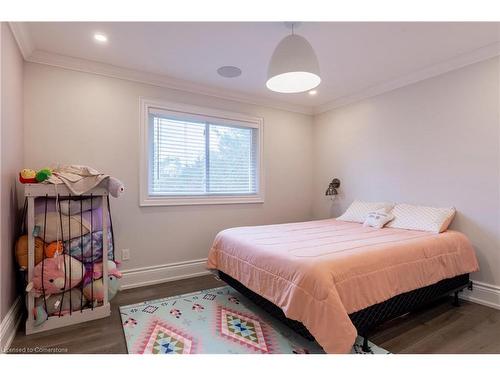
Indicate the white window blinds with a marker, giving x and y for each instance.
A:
(197, 155)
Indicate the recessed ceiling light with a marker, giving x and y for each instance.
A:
(229, 71)
(100, 37)
(313, 92)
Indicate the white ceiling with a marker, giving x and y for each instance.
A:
(353, 57)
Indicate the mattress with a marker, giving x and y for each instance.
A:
(320, 271)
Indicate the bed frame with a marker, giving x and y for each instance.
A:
(368, 319)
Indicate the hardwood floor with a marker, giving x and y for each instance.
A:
(440, 328)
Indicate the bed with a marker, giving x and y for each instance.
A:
(333, 279)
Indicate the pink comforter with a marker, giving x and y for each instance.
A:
(318, 272)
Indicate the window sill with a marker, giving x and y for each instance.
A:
(199, 200)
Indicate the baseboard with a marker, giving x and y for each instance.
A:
(484, 294)
(145, 276)
(9, 324)
(132, 278)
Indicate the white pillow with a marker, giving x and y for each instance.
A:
(358, 210)
(429, 219)
(377, 219)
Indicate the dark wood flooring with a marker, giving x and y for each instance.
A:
(441, 328)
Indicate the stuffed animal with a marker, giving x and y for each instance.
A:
(51, 250)
(22, 251)
(98, 293)
(54, 302)
(88, 248)
(56, 275)
(96, 272)
(27, 176)
(43, 174)
(54, 249)
(94, 290)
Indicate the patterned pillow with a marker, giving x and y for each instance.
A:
(429, 219)
(377, 219)
(358, 210)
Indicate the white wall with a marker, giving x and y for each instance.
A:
(74, 117)
(11, 151)
(432, 143)
(435, 142)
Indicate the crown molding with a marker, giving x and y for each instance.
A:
(22, 37)
(468, 58)
(25, 43)
(108, 70)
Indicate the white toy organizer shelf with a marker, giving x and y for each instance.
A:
(92, 311)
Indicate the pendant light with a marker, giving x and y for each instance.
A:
(293, 67)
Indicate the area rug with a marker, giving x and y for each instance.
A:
(213, 321)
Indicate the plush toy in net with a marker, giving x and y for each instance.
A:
(54, 302)
(56, 275)
(22, 251)
(94, 290)
(53, 249)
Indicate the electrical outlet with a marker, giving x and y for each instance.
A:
(125, 254)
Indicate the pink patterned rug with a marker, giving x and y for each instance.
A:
(218, 321)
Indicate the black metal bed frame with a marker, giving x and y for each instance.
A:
(368, 319)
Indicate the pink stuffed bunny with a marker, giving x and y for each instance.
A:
(54, 271)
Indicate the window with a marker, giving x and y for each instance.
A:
(197, 155)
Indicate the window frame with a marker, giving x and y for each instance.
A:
(229, 118)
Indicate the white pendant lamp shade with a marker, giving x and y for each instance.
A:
(293, 67)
